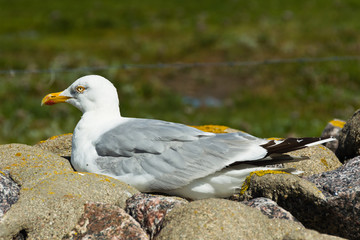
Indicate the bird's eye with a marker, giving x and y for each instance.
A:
(80, 89)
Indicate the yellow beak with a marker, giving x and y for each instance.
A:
(53, 98)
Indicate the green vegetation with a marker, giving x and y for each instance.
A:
(274, 100)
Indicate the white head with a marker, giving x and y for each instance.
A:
(88, 93)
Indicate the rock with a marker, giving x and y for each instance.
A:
(295, 194)
(349, 139)
(150, 210)
(224, 219)
(60, 145)
(333, 129)
(308, 235)
(341, 213)
(321, 159)
(106, 221)
(9, 193)
(52, 196)
(28, 165)
(270, 208)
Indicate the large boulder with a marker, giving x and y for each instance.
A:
(327, 202)
(52, 195)
(224, 219)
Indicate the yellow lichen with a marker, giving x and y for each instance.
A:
(18, 154)
(337, 123)
(275, 138)
(322, 147)
(212, 128)
(260, 173)
(323, 161)
(71, 196)
(54, 137)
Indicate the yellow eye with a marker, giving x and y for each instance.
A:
(80, 89)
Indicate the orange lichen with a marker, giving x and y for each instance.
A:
(18, 154)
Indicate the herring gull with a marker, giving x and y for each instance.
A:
(159, 156)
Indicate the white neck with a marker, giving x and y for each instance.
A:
(91, 125)
(98, 121)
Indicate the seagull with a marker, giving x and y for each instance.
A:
(164, 157)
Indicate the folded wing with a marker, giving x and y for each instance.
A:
(172, 154)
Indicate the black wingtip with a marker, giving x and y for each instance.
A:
(292, 144)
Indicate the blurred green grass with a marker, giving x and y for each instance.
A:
(292, 99)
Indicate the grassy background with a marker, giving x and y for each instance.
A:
(292, 99)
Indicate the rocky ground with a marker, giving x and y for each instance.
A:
(41, 197)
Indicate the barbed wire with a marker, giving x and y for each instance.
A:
(13, 72)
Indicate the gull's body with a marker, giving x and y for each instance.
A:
(159, 156)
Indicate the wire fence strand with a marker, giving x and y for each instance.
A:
(180, 65)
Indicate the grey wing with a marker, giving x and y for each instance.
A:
(174, 154)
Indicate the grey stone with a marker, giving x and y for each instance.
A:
(224, 219)
(341, 213)
(333, 129)
(52, 196)
(9, 192)
(270, 208)
(106, 221)
(349, 139)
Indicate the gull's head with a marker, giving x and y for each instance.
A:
(88, 93)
